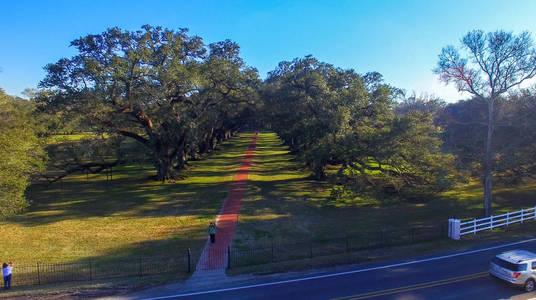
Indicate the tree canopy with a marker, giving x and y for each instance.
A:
(332, 116)
(21, 154)
(176, 98)
(513, 142)
(163, 88)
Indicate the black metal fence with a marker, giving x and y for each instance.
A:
(44, 273)
(275, 251)
(184, 262)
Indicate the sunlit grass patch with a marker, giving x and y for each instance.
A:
(62, 138)
(301, 208)
(90, 216)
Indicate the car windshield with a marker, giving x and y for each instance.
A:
(508, 265)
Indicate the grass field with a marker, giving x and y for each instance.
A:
(61, 138)
(285, 204)
(90, 217)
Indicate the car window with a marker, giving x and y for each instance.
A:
(508, 265)
(534, 265)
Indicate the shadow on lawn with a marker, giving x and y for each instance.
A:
(291, 207)
(201, 192)
(295, 208)
(306, 203)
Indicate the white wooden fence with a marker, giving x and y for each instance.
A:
(458, 228)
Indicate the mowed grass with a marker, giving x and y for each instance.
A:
(84, 217)
(91, 217)
(62, 138)
(285, 204)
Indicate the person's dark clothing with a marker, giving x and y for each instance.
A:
(7, 282)
(212, 233)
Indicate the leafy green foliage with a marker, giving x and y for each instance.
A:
(331, 116)
(465, 128)
(21, 154)
(163, 88)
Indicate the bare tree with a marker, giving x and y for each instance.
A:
(493, 63)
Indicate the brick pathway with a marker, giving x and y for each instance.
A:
(214, 256)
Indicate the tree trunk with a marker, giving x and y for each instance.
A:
(182, 160)
(220, 136)
(212, 143)
(203, 146)
(163, 163)
(488, 163)
(164, 169)
(319, 171)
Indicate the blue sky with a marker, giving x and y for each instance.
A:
(400, 39)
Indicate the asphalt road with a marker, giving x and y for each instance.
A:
(451, 276)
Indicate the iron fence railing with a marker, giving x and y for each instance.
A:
(45, 273)
(183, 261)
(270, 252)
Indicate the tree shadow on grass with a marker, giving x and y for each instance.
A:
(127, 195)
(149, 200)
(303, 203)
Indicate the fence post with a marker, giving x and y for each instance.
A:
(522, 215)
(507, 218)
(189, 261)
(272, 249)
(491, 222)
(474, 226)
(228, 257)
(38, 275)
(454, 229)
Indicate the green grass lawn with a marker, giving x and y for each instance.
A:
(285, 204)
(61, 138)
(90, 217)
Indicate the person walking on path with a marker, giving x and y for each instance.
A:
(212, 232)
(6, 270)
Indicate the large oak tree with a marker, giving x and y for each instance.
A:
(327, 115)
(156, 86)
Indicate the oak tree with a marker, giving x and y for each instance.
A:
(488, 65)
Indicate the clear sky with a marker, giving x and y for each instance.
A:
(399, 39)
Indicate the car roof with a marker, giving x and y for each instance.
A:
(517, 256)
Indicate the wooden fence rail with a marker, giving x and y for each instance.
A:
(458, 228)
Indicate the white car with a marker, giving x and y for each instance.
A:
(517, 267)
